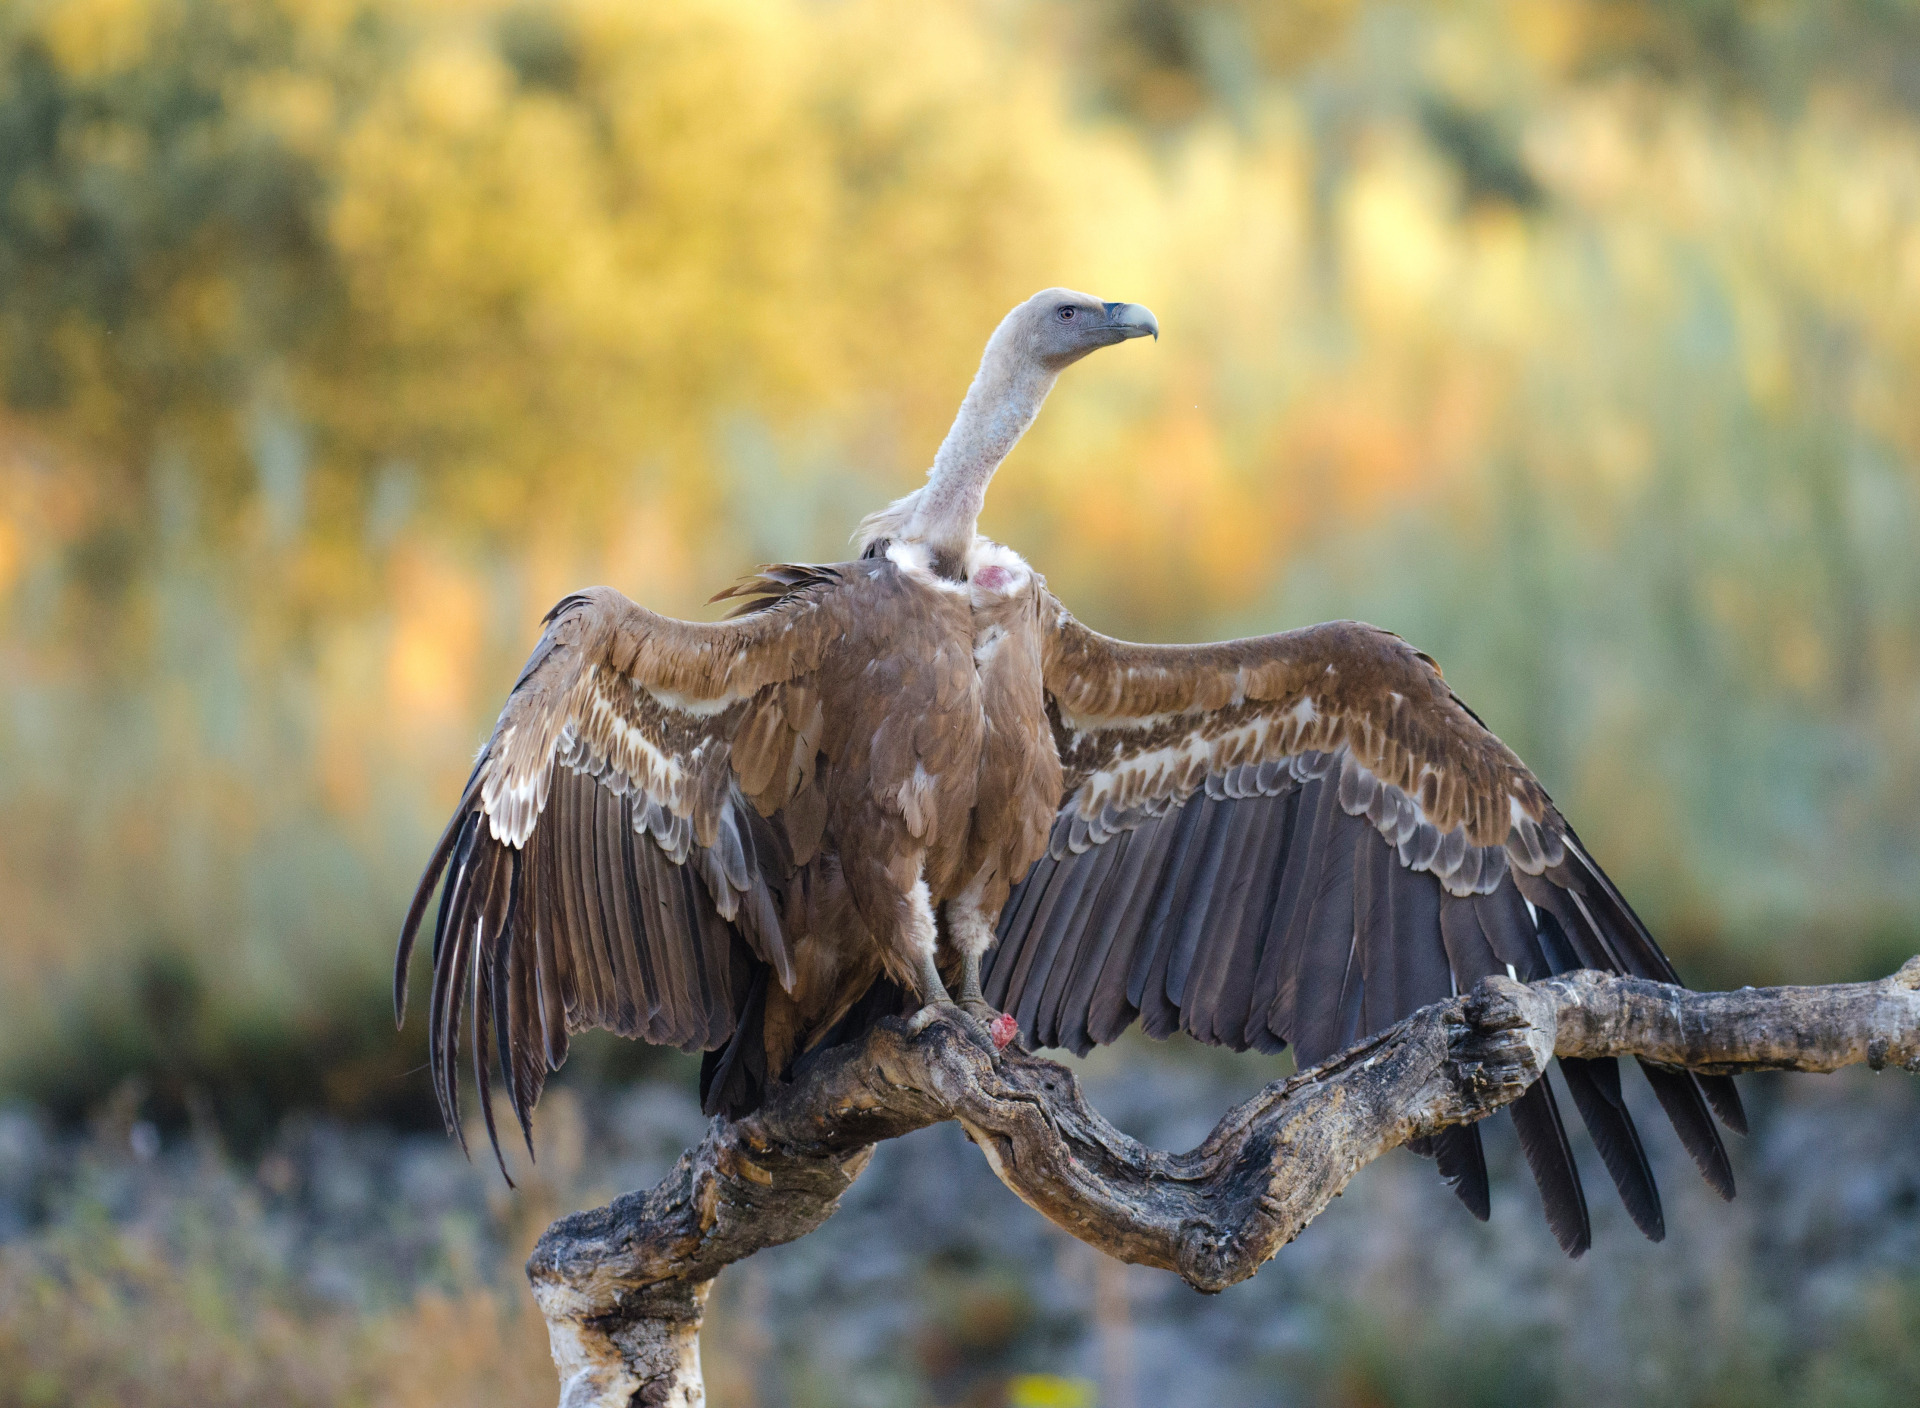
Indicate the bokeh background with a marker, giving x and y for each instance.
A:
(1577, 340)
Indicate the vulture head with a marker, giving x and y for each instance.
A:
(1033, 344)
(1057, 327)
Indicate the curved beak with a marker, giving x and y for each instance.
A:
(1131, 320)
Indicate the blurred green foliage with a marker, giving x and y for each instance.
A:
(1573, 339)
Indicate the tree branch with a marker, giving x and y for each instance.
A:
(623, 1287)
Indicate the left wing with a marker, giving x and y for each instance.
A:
(618, 856)
(1304, 838)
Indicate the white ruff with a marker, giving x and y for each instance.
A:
(916, 561)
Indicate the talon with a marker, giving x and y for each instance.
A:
(1003, 1029)
(920, 1020)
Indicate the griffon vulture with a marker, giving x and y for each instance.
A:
(915, 775)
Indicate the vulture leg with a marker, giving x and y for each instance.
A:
(919, 941)
(909, 941)
(971, 934)
(928, 985)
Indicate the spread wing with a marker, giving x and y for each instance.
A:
(1303, 838)
(618, 856)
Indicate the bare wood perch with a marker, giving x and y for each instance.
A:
(623, 1287)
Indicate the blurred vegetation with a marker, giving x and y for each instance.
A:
(198, 1317)
(1574, 339)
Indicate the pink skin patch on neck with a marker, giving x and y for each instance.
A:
(993, 579)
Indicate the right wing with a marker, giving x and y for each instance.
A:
(618, 855)
(1303, 838)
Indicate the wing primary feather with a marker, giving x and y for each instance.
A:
(1511, 934)
(707, 932)
(1558, 950)
(462, 857)
(1601, 901)
(1076, 931)
(1568, 923)
(674, 921)
(1549, 1155)
(1076, 998)
(458, 832)
(506, 974)
(1180, 825)
(1463, 1163)
(551, 988)
(1687, 1111)
(1108, 1009)
(1065, 881)
(1595, 1087)
(1217, 996)
(1016, 929)
(1299, 846)
(579, 904)
(1297, 978)
(1176, 882)
(1221, 998)
(608, 907)
(1397, 927)
(1724, 1096)
(1608, 912)
(1052, 922)
(448, 978)
(458, 957)
(661, 953)
(490, 935)
(1329, 993)
(1159, 1017)
(516, 984)
(475, 971)
(1571, 942)
(1535, 1115)
(450, 895)
(1213, 870)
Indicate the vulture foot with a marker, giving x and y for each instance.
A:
(984, 1031)
(1002, 1027)
(1504, 1043)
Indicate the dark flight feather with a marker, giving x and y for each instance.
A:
(1252, 917)
(1595, 1087)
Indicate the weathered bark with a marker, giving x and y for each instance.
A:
(623, 1286)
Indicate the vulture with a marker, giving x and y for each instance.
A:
(914, 778)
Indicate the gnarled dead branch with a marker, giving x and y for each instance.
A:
(623, 1286)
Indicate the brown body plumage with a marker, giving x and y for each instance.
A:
(890, 777)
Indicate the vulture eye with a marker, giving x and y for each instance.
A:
(1065, 313)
